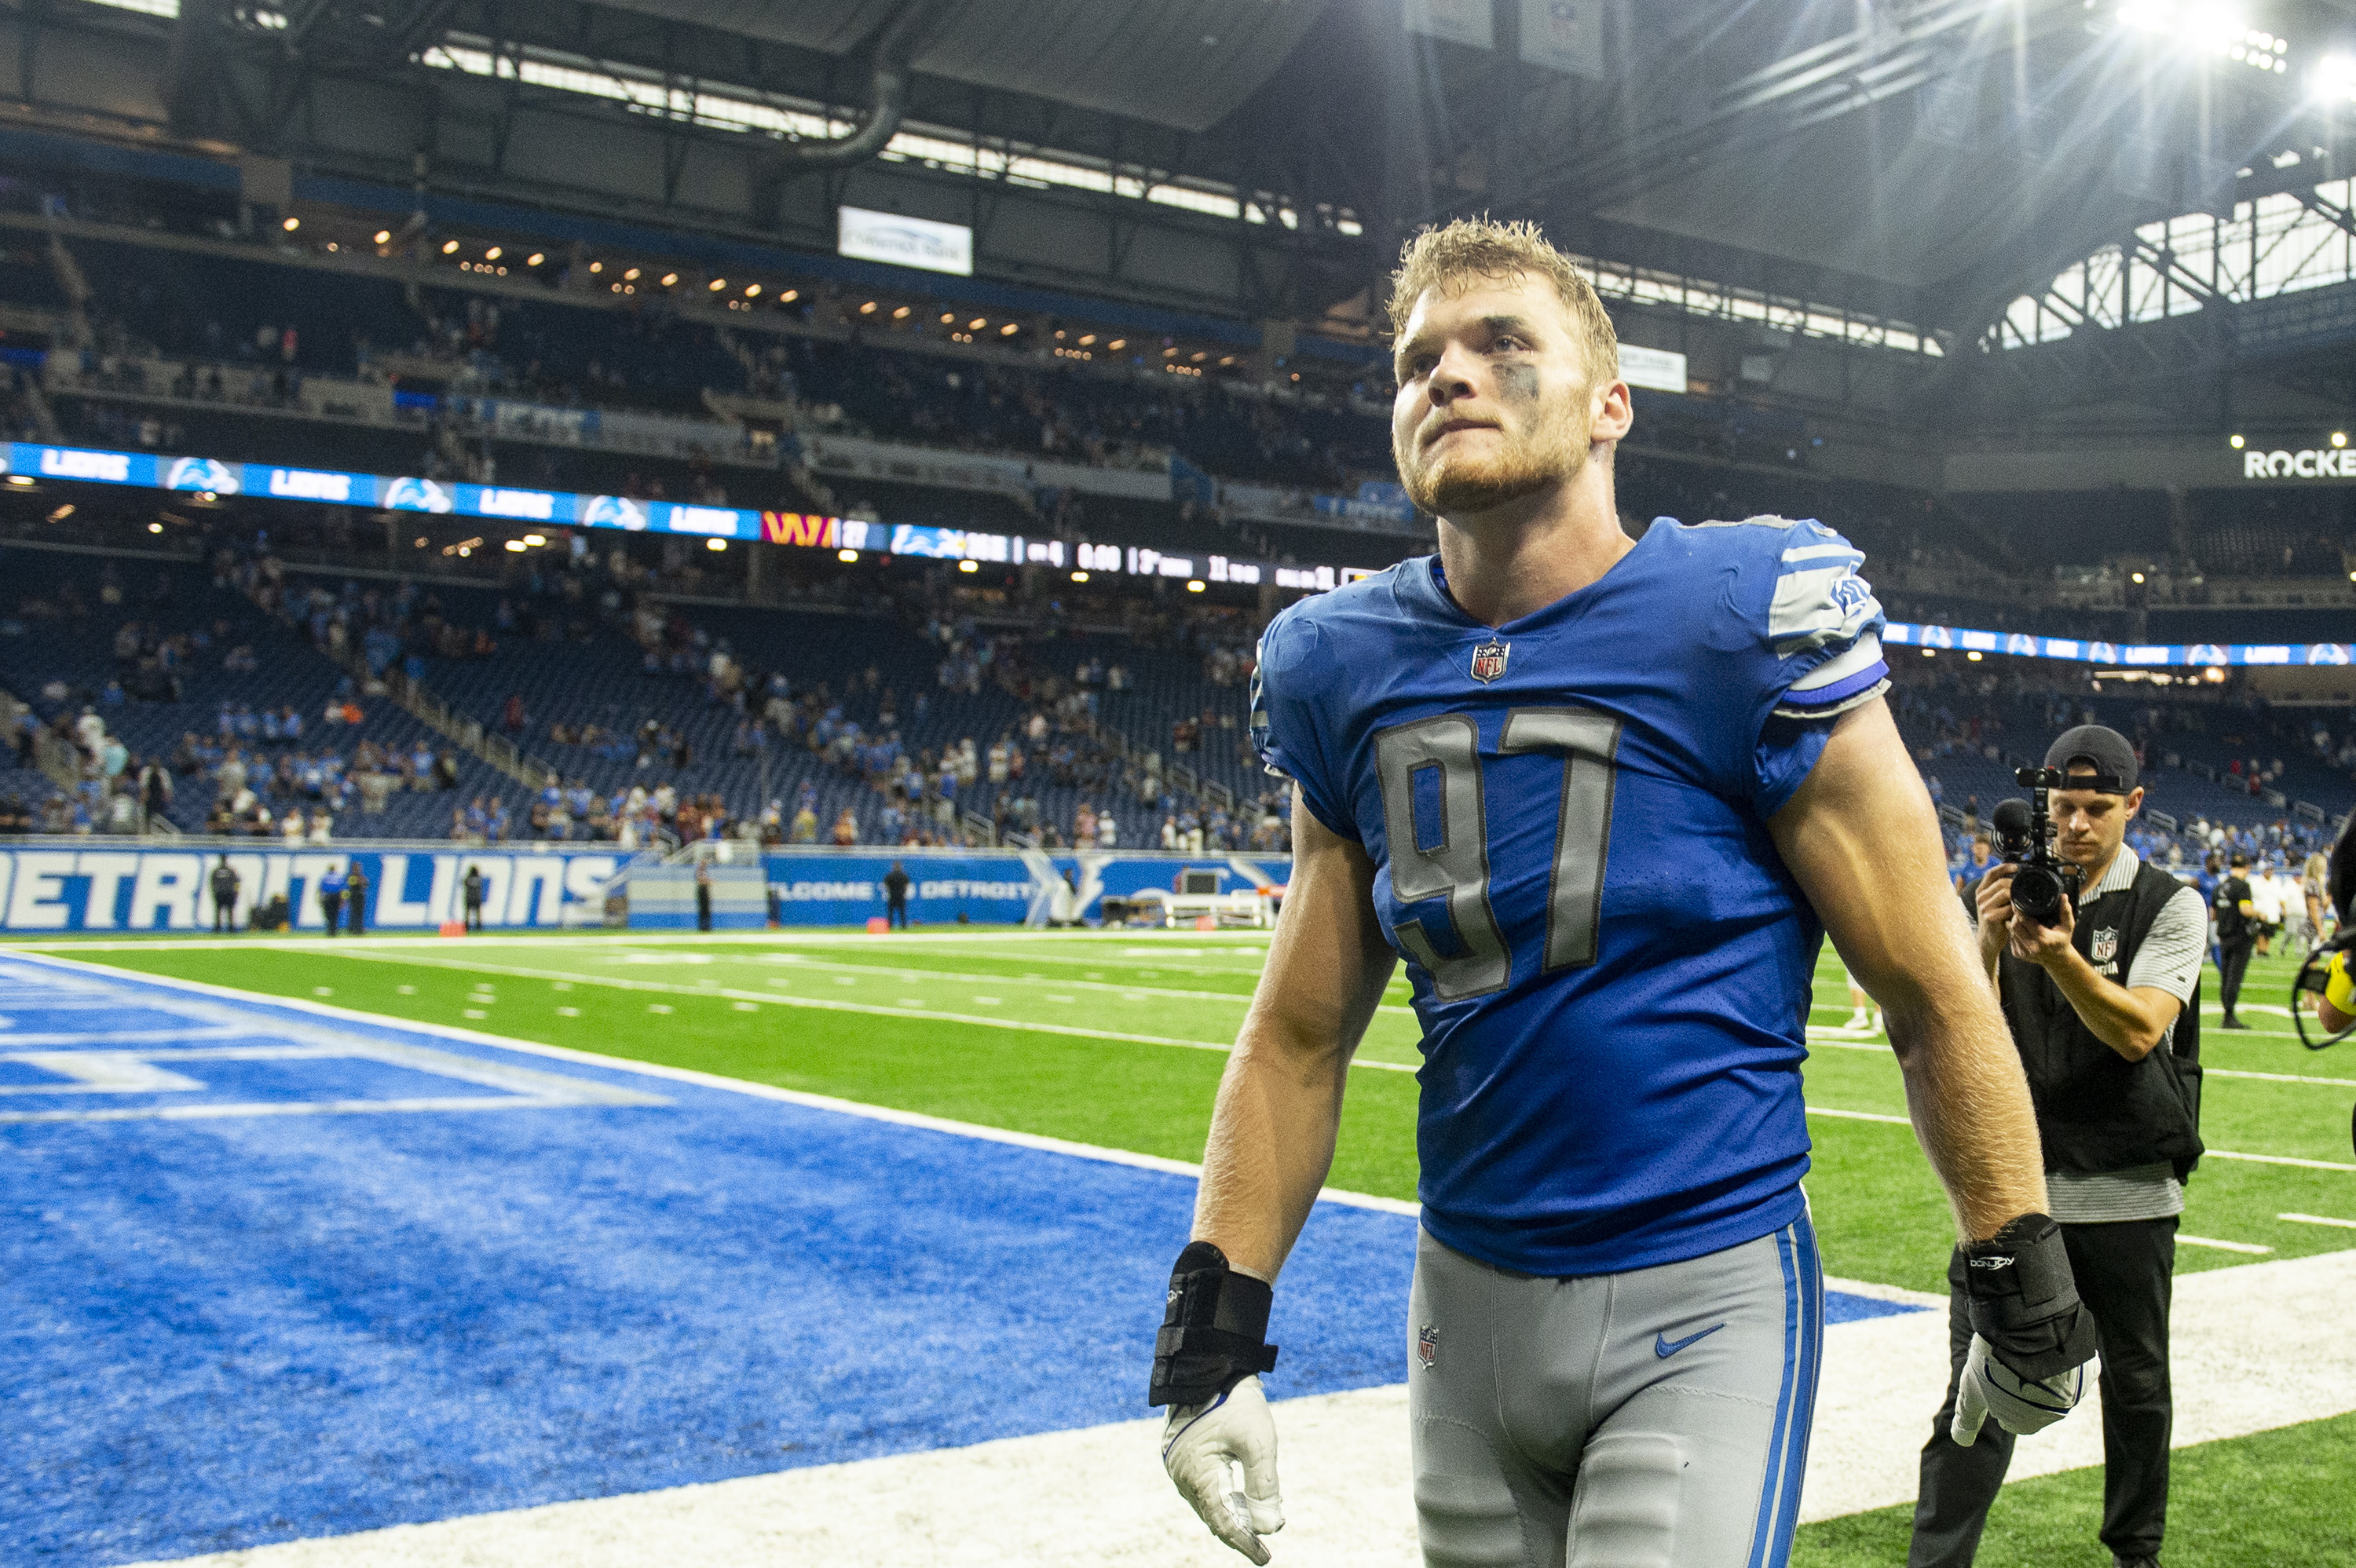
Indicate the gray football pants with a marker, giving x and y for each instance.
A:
(1652, 1419)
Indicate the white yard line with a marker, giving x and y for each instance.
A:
(1074, 1500)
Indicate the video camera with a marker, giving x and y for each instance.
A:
(2024, 836)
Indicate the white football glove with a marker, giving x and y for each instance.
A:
(1989, 1388)
(1200, 1446)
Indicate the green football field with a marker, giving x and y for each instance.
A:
(1117, 1039)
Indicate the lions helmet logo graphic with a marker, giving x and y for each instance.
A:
(201, 473)
(1489, 660)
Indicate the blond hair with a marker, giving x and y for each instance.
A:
(1453, 256)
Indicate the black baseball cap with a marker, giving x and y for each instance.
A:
(2104, 749)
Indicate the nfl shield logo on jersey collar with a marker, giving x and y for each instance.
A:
(1489, 660)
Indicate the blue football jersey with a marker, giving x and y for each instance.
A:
(1568, 818)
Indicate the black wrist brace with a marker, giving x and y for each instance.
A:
(1213, 1335)
(2022, 1298)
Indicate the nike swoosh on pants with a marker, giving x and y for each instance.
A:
(1665, 1347)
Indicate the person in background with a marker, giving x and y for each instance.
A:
(896, 897)
(331, 896)
(470, 892)
(702, 895)
(846, 830)
(1968, 875)
(355, 891)
(2315, 883)
(225, 881)
(2234, 910)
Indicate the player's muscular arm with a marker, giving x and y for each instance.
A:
(1863, 841)
(1280, 1099)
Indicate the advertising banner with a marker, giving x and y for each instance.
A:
(54, 886)
(997, 888)
(2136, 656)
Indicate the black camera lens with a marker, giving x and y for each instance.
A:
(2037, 893)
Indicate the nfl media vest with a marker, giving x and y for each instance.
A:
(2096, 1111)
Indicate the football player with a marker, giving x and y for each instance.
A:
(1514, 764)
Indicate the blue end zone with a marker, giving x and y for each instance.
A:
(244, 1323)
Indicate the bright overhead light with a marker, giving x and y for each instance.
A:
(631, 276)
(2339, 438)
(1195, 586)
(790, 295)
(20, 479)
(867, 309)
(2335, 77)
(517, 546)
(717, 285)
(449, 247)
(846, 556)
(1083, 577)
(1118, 344)
(384, 236)
(1087, 339)
(669, 279)
(715, 544)
(1009, 329)
(752, 291)
(947, 318)
(968, 566)
(597, 266)
(901, 313)
(535, 540)
(492, 254)
(291, 225)
(534, 260)
(2234, 442)
(155, 527)
(976, 325)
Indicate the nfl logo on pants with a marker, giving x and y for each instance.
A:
(1427, 1348)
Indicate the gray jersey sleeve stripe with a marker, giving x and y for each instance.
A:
(2169, 958)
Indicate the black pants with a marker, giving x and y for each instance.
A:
(896, 913)
(474, 917)
(225, 913)
(2123, 1272)
(332, 907)
(702, 907)
(358, 911)
(2232, 963)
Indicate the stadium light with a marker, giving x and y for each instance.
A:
(155, 527)
(947, 318)
(1009, 329)
(715, 544)
(631, 276)
(1083, 577)
(1195, 586)
(669, 279)
(2335, 77)
(1118, 344)
(291, 225)
(976, 325)
(2234, 442)
(449, 247)
(968, 566)
(2339, 438)
(1087, 339)
(717, 285)
(752, 291)
(846, 556)
(20, 479)
(534, 260)
(62, 512)
(900, 314)
(597, 266)
(384, 236)
(492, 254)
(2134, 577)
(867, 309)
(535, 540)
(790, 295)
(517, 546)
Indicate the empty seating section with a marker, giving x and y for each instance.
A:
(193, 305)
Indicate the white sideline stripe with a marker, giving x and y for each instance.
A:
(2251, 1248)
(1835, 1039)
(714, 1081)
(2319, 1220)
(2210, 1154)
(1094, 1497)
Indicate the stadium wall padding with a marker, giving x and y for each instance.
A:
(98, 885)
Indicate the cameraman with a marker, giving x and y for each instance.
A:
(2103, 1009)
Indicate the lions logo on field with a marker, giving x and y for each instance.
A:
(1489, 660)
(1427, 1348)
(2106, 946)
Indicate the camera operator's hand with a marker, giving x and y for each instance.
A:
(2043, 944)
(1994, 902)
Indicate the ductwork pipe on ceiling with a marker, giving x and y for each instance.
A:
(893, 47)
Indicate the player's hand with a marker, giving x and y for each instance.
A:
(1994, 902)
(2020, 1405)
(1200, 1446)
(2031, 1337)
(2042, 944)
